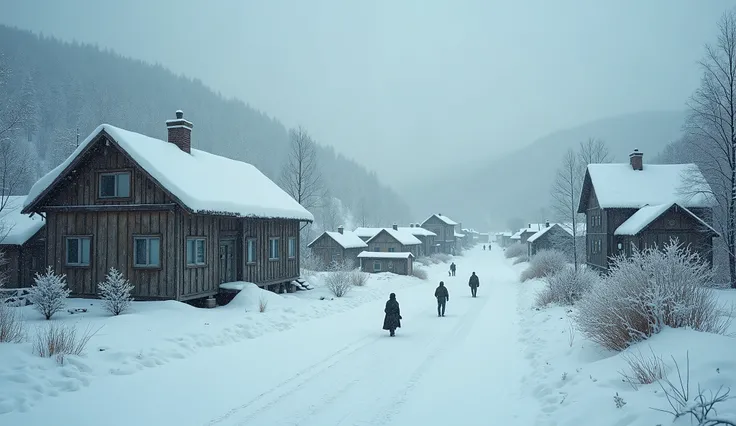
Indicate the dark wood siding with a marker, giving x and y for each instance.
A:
(383, 241)
(264, 271)
(445, 233)
(397, 266)
(326, 249)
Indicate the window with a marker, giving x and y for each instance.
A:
(115, 185)
(78, 251)
(146, 251)
(335, 257)
(391, 249)
(195, 252)
(273, 249)
(376, 248)
(250, 250)
(376, 266)
(292, 248)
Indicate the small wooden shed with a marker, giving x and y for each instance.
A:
(401, 263)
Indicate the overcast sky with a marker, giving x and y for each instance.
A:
(400, 85)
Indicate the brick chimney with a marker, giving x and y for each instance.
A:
(180, 132)
(546, 224)
(636, 159)
(396, 227)
(340, 229)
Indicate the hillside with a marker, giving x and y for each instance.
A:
(68, 86)
(517, 185)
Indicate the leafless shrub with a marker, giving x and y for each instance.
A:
(441, 258)
(11, 325)
(358, 278)
(262, 304)
(643, 369)
(338, 282)
(570, 332)
(515, 250)
(521, 259)
(424, 260)
(652, 289)
(60, 340)
(419, 273)
(701, 408)
(567, 286)
(544, 264)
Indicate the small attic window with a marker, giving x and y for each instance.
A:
(115, 185)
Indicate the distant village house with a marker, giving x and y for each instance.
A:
(338, 247)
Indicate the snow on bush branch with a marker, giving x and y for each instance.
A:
(543, 264)
(652, 289)
(567, 286)
(48, 294)
(115, 292)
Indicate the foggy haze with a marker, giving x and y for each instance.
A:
(431, 84)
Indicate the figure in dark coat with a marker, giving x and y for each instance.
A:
(392, 320)
(443, 296)
(484, 246)
(452, 268)
(474, 283)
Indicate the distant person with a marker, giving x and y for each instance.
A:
(474, 283)
(484, 246)
(443, 296)
(453, 268)
(489, 247)
(392, 320)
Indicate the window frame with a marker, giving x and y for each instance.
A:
(195, 239)
(270, 249)
(116, 173)
(255, 251)
(66, 251)
(147, 237)
(291, 248)
(377, 262)
(392, 249)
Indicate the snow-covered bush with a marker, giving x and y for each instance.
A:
(643, 369)
(310, 262)
(652, 289)
(48, 294)
(424, 260)
(515, 250)
(441, 258)
(358, 278)
(11, 325)
(60, 340)
(420, 273)
(567, 286)
(115, 292)
(544, 264)
(521, 259)
(338, 282)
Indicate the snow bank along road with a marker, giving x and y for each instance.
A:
(465, 369)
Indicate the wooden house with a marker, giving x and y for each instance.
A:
(401, 263)
(22, 242)
(552, 236)
(340, 246)
(391, 240)
(176, 221)
(636, 205)
(365, 233)
(426, 236)
(444, 228)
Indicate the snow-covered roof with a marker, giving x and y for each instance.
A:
(444, 219)
(385, 255)
(538, 234)
(203, 182)
(581, 227)
(346, 240)
(364, 232)
(648, 214)
(620, 186)
(404, 238)
(507, 234)
(418, 231)
(516, 236)
(15, 227)
(459, 235)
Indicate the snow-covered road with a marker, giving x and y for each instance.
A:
(465, 368)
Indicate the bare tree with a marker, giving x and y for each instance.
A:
(300, 176)
(711, 123)
(568, 185)
(329, 212)
(363, 212)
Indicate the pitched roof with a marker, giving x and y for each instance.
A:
(538, 234)
(202, 182)
(444, 219)
(404, 238)
(648, 214)
(620, 186)
(15, 227)
(417, 231)
(385, 255)
(346, 240)
(459, 235)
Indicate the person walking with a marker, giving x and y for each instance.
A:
(392, 320)
(452, 268)
(474, 283)
(484, 246)
(443, 296)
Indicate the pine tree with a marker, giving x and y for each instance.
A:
(115, 292)
(49, 293)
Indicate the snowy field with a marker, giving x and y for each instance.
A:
(306, 361)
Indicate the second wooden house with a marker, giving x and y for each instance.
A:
(444, 229)
(391, 240)
(336, 247)
(176, 221)
(22, 242)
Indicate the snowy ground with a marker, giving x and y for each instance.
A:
(305, 361)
